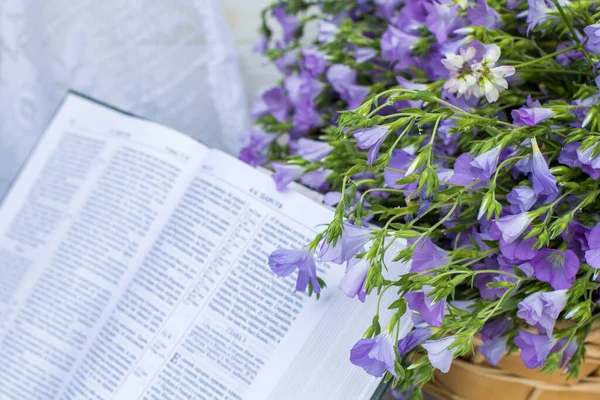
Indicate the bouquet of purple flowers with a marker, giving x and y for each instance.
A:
(459, 140)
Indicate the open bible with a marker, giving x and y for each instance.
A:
(133, 265)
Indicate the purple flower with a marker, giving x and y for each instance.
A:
(521, 198)
(495, 328)
(353, 282)
(284, 262)
(332, 198)
(539, 13)
(570, 155)
(512, 226)
(340, 75)
(585, 157)
(413, 339)
(343, 80)
(347, 246)
(427, 256)
(464, 305)
(482, 280)
(494, 349)
(567, 58)
(518, 251)
(259, 139)
(527, 269)
(285, 174)
(371, 138)
(484, 165)
(567, 352)
(432, 313)
(313, 150)
(512, 4)
(314, 60)
(289, 24)
(531, 116)
(439, 353)
(483, 15)
(287, 61)
(302, 87)
(534, 348)
(556, 267)
(251, 157)
(386, 8)
(400, 161)
(593, 34)
(413, 14)
(354, 95)
(396, 46)
(375, 355)
(306, 117)
(327, 32)
(316, 179)
(441, 20)
(467, 170)
(542, 180)
(364, 54)
(541, 309)
(277, 103)
(463, 175)
(576, 237)
(592, 256)
(494, 339)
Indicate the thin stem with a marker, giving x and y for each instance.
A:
(572, 30)
(547, 56)
(555, 71)
(435, 128)
(502, 299)
(463, 112)
(495, 271)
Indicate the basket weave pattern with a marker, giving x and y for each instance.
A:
(472, 378)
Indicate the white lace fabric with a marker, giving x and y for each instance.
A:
(171, 61)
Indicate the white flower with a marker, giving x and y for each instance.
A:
(461, 77)
(455, 62)
(490, 79)
(492, 56)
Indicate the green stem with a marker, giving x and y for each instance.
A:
(555, 71)
(435, 128)
(495, 271)
(404, 132)
(502, 299)
(551, 55)
(573, 33)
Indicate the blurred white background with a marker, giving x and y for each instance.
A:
(187, 64)
(243, 17)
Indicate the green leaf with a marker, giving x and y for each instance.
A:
(356, 169)
(426, 95)
(399, 304)
(406, 234)
(510, 304)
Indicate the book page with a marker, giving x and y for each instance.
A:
(85, 208)
(205, 318)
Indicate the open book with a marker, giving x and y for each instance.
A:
(133, 265)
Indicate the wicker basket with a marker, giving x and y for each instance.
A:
(472, 378)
